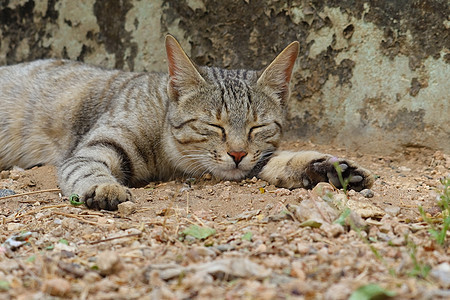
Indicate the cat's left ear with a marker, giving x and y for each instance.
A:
(278, 74)
(183, 75)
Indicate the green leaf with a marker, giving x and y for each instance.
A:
(310, 223)
(199, 232)
(371, 292)
(75, 200)
(247, 236)
(51, 247)
(343, 217)
(4, 285)
(63, 241)
(31, 259)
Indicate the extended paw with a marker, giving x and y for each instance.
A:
(106, 196)
(339, 172)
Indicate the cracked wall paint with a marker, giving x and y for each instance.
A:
(371, 75)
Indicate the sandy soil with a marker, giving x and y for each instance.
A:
(259, 249)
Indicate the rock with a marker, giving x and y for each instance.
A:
(14, 175)
(198, 253)
(367, 193)
(56, 287)
(398, 241)
(231, 268)
(323, 188)
(126, 208)
(246, 215)
(225, 247)
(401, 229)
(297, 270)
(4, 175)
(91, 277)
(392, 210)
(332, 230)
(404, 169)
(386, 227)
(6, 192)
(9, 265)
(64, 247)
(14, 226)
(338, 291)
(261, 248)
(109, 262)
(442, 274)
(282, 192)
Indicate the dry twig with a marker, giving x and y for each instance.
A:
(30, 193)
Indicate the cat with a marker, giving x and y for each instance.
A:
(109, 129)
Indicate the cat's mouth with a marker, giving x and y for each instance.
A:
(230, 174)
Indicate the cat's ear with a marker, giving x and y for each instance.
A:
(183, 75)
(278, 74)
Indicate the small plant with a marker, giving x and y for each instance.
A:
(344, 182)
(420, 269)
(439, 232)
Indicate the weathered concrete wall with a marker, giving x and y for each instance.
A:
(372, 75)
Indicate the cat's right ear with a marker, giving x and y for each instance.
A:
(183, 75)
(278, 74)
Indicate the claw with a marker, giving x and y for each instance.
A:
(305, 182)
(343, 167)
(334, 180)
(355, 179)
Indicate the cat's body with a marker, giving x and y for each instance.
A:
(106, 129)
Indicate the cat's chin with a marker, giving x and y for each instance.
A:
(235, 174)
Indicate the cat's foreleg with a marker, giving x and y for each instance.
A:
(307, 168)
(98, 173)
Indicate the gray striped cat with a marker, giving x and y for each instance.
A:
(108, 129)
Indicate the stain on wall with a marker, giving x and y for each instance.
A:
(371, 75)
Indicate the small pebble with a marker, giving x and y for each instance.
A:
(225, 247)
(126, 208)
(190, 239)
(386, 227)
(261, 248)
(91, 277)
(297, 270)
(4, 174)
(398, 241)
(442, 274)
(14, 176)
(109, 262)
(14, 226)
(6, 192)
(392, 210)
(404, 169)
(367, 193)
(56, 287)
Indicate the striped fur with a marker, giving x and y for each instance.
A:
(107, 129)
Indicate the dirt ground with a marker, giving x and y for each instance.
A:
(255, 244)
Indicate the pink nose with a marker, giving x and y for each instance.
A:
(237, 156)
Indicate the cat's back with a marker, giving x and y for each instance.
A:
(45, 103)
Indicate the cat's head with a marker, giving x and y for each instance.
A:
(225, 121)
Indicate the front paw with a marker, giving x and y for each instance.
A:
(106, 196)
(339, 172)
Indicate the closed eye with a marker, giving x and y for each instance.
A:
(264, 131)
(224, 134)
(254, 128)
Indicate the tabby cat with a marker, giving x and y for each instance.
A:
(108, 129)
